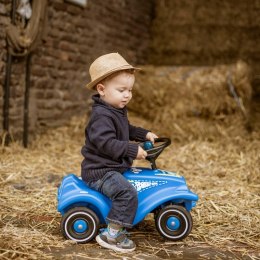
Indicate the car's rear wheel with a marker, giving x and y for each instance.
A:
(80, 224)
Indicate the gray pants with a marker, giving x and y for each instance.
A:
(123, 196)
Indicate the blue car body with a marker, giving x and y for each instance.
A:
(156, 188)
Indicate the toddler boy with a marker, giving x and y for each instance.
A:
(108, 151)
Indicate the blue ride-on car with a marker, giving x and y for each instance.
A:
(160, 192)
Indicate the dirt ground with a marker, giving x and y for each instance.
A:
(151, 246)
(225, 174)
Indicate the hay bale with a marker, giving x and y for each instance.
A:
(193, 101)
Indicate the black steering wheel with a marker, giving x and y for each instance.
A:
(153, 151)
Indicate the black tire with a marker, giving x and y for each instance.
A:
(174, 222)
(80, 224)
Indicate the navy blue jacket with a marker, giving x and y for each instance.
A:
(107, 146)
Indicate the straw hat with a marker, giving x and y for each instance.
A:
(106, 65)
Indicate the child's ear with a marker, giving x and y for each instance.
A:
(100, 89)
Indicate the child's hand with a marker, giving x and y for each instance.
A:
(141, 154)
(151, 136)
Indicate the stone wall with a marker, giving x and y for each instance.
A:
(202, 32)
(59, 66)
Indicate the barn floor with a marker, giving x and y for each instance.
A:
(224, 173)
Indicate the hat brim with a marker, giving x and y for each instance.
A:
(93, 83)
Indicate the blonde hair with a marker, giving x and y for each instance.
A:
(128, 71)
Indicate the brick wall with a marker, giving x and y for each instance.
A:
(75, 37)
(161, 32)
(3, 22)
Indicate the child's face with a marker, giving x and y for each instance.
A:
(117, 91)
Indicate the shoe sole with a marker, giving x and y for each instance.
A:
(113, 247)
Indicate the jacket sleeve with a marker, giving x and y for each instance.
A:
(102, 134)
(137, 133)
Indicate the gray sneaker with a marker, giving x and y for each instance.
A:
(119, 242)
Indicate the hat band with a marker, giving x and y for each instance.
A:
(102, 74)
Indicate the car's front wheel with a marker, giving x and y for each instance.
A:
(173, 222)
